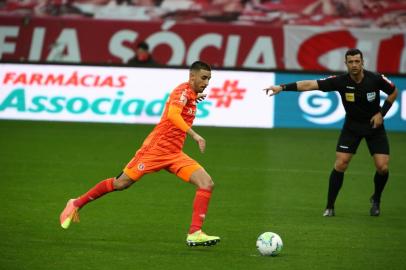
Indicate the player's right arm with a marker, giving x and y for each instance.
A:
(306, 85)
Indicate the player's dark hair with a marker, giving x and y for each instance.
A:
(353, 52)
(198, 65)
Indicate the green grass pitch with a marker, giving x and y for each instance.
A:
(266, 180)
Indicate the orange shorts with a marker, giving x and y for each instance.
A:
(179, 164)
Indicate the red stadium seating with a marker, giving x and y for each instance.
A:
(362, 13)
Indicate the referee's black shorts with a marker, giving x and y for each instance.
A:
(352, 133)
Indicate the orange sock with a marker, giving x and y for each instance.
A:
(200, 205)
(95, 192)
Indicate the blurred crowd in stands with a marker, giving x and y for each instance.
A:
(348, 13)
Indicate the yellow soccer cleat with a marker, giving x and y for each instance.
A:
(199, 238)
(69, 214)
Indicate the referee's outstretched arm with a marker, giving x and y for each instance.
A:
(306, 85)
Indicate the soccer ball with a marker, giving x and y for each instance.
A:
(269, 244)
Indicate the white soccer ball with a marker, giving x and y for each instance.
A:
(269, 244)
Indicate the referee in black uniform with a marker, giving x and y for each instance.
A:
(360, 94)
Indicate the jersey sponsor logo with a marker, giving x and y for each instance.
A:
(350, 87)
(371, 96)
(141, 166)
(183, 98)
(191, 111)
(350, 97)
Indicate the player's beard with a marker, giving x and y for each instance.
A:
(200, 88)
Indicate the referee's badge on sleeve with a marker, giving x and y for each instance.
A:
(350, 97)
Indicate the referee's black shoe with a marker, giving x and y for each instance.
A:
(375, 208)
(329, 212)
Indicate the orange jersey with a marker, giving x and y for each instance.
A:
(166, 138)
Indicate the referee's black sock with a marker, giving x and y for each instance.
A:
(380, 182)
(336, 181)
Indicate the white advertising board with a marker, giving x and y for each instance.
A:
(128, 95)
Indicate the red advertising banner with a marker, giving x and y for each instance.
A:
(323, 48)
(81, 40)
(106, 41)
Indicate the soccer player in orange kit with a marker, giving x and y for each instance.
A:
(162, 149)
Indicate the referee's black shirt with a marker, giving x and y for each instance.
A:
(360, 100)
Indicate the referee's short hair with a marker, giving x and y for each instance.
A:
(353, 52)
